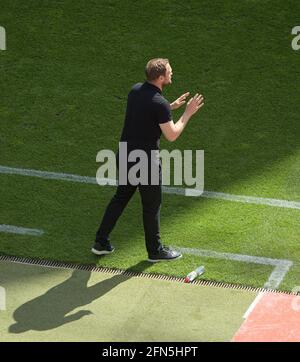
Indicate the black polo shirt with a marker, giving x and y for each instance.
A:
(146, 110)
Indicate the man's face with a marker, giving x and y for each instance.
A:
(168, 76)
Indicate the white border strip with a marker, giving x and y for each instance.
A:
(19, 230)
(253, 305)
(168, 190)
(252, 200)
(281, 266)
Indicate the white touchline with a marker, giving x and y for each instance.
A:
(168, 190)
(281, 266)
(251, 200)
(19, 230)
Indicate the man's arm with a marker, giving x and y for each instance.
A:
(172, 131)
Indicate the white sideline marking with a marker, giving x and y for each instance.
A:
(47, 175)
(253, 305)
(281, 266)
(168, 190)
(19, 230)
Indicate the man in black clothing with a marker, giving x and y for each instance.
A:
(148, 115)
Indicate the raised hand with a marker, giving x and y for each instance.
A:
(194, 104)
(179, 101)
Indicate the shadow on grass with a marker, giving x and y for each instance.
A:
(50, 310)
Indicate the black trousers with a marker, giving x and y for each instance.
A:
(151, 197)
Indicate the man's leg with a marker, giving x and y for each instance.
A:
(151, 200)
(114, 211)
(151, 196)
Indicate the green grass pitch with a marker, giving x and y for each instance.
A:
(64, 80)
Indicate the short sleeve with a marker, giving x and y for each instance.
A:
(163, 112)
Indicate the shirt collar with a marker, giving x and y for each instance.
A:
(153, 86)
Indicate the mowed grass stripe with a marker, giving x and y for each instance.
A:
(169, 190)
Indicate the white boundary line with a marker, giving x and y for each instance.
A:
(253, 305)
(281, 266)
(168, 190)
(19, 230)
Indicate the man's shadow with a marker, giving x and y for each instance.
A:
(49, 310)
